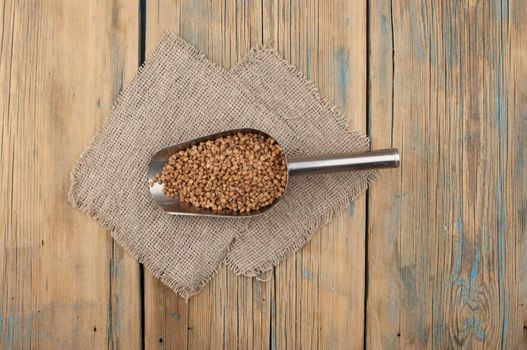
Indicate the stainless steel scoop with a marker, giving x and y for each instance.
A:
(326, 163)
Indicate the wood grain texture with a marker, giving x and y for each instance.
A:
(447, 230)
(433, 257)
(63, 281)
(320, 290)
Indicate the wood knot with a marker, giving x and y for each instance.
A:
(472, 312)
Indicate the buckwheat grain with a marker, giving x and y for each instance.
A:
(242, 172)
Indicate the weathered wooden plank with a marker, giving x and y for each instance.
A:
(320, 290)
(384, 204)
(342, 267)
(447, 229)
(512, 172)
(166, 314)
(230, 312)
(63, 282)
(125, 328)
(285, 318)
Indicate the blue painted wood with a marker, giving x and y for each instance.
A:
(451, 276)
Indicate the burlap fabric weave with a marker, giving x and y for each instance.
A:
(179, 95)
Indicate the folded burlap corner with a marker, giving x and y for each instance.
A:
(179, 95)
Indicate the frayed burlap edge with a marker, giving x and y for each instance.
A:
(122, 239)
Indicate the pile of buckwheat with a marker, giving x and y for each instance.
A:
(242, 172)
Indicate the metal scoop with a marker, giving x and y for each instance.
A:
(327, 163)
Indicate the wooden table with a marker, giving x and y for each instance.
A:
(434, 255)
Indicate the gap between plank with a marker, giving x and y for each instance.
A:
(142, 54)
(367, 212)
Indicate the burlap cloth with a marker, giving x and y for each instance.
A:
(179, 95)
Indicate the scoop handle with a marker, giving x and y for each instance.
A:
(330, 163)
